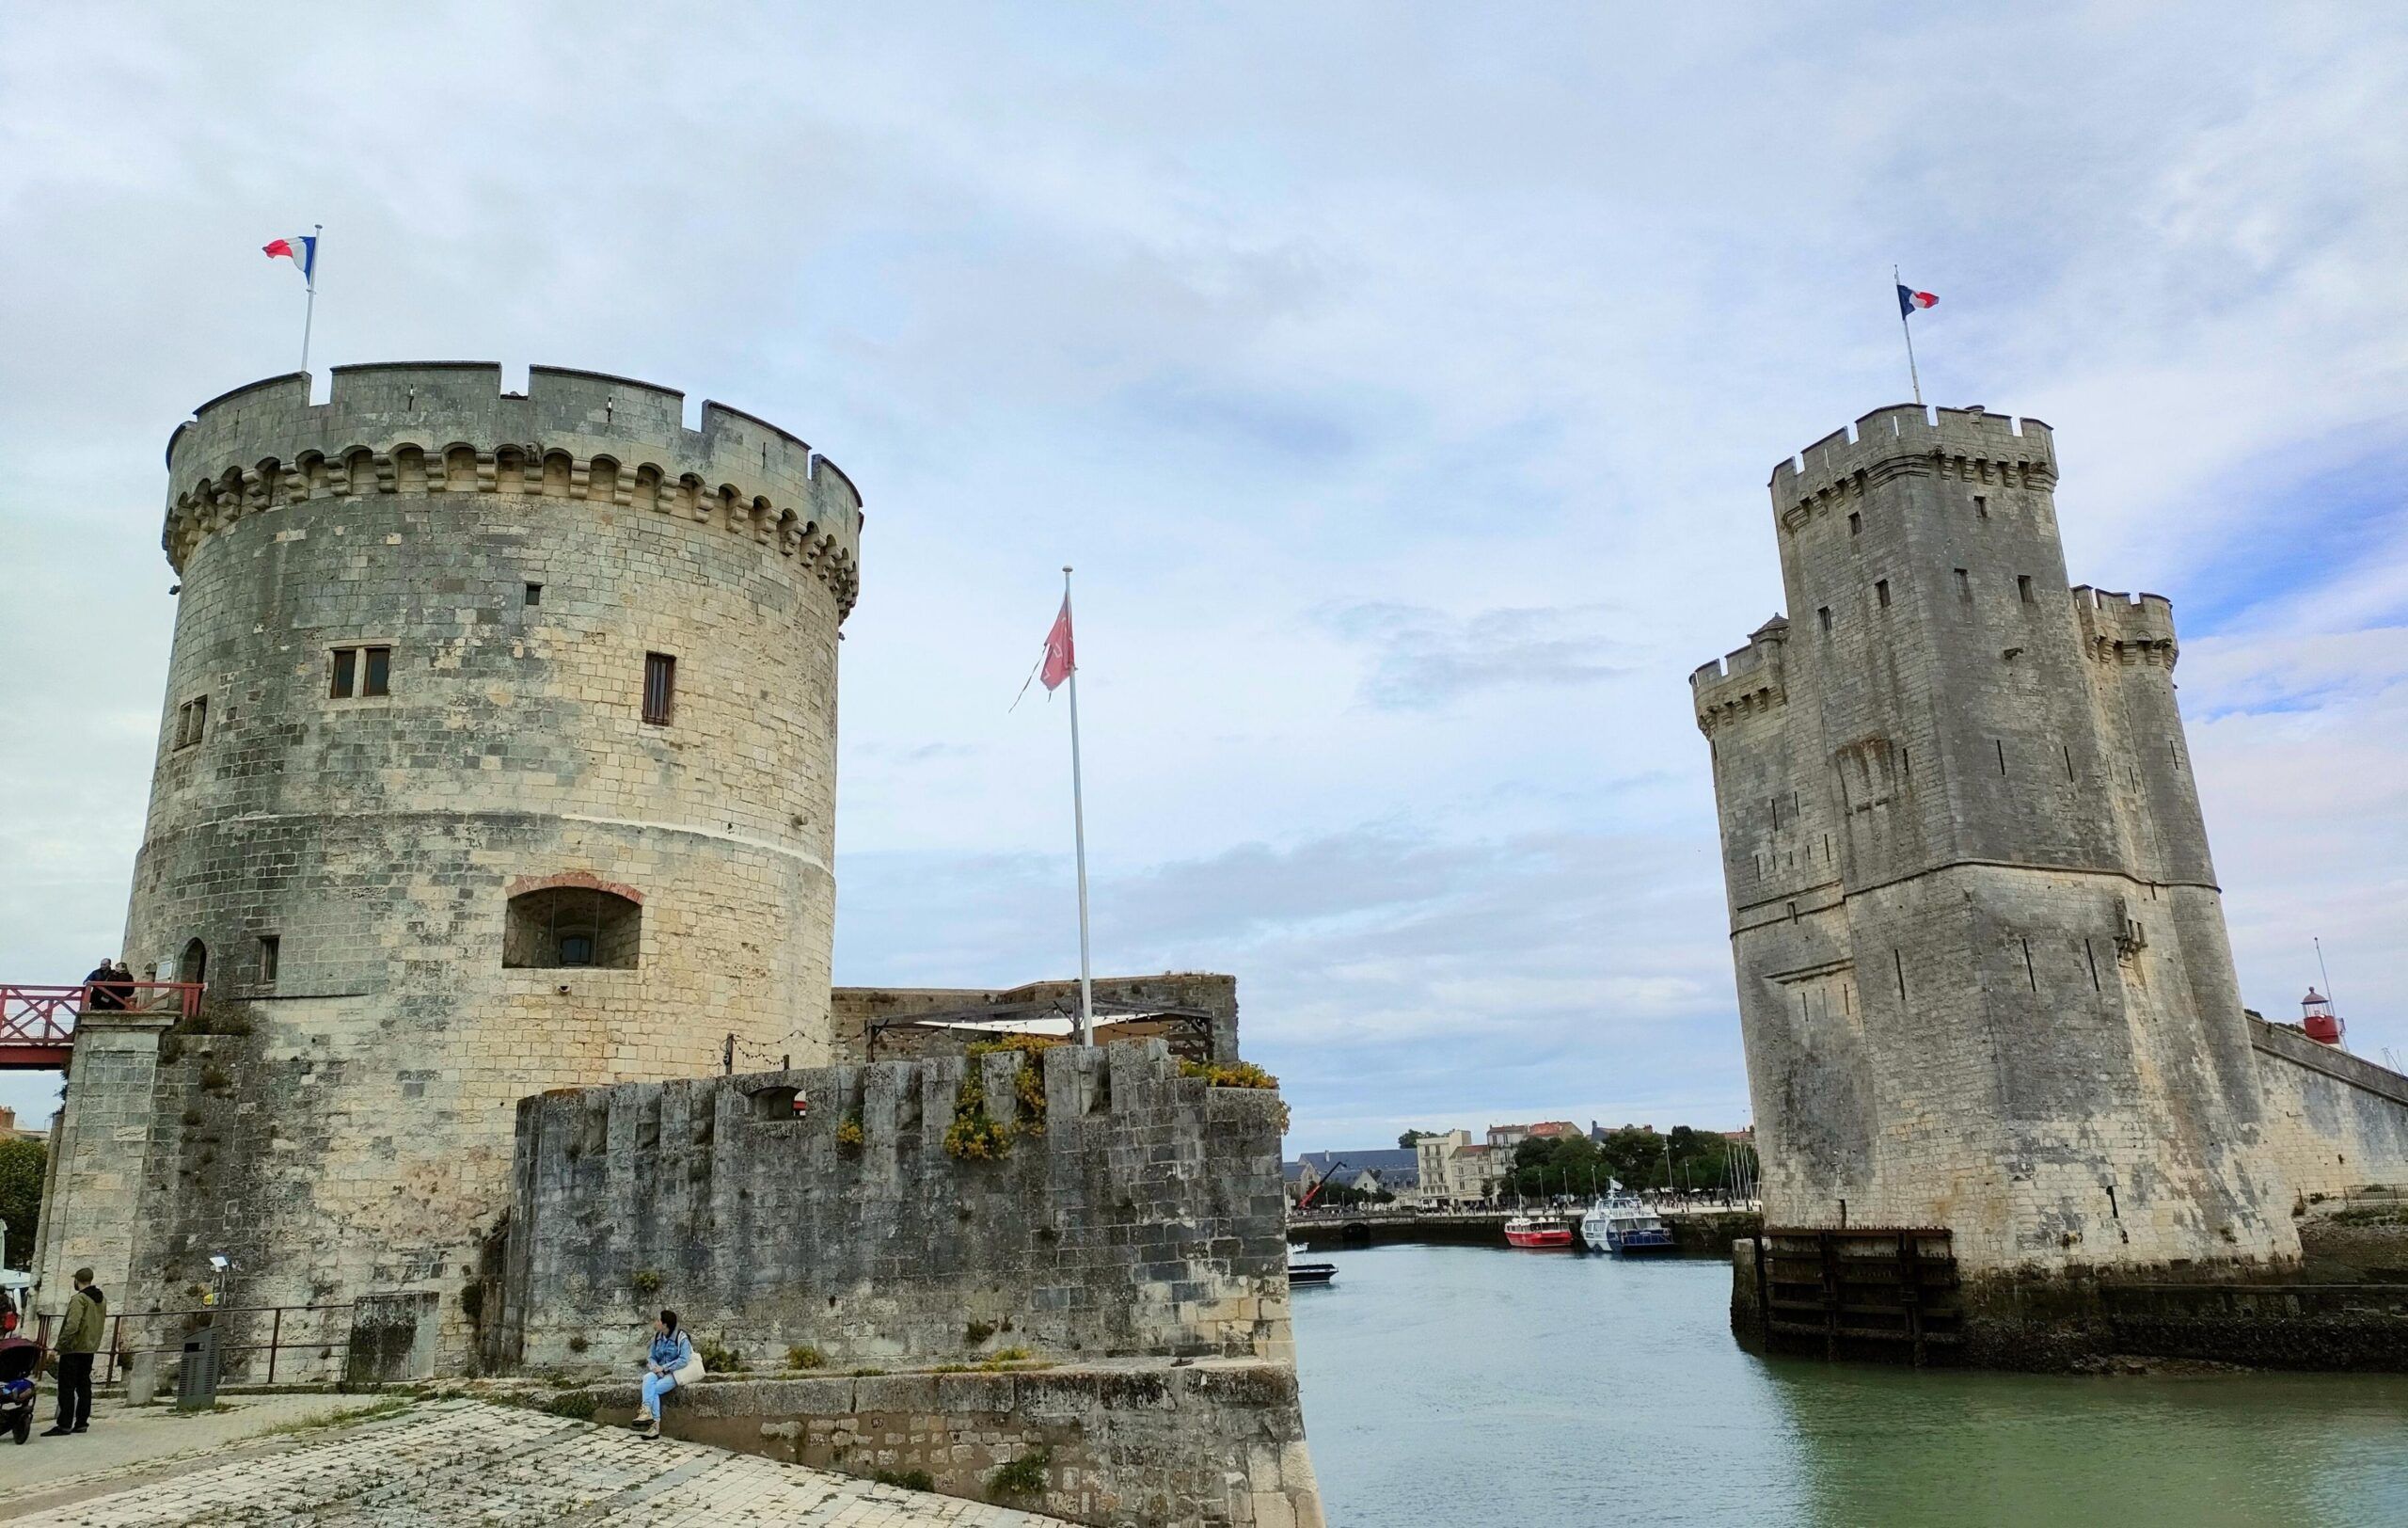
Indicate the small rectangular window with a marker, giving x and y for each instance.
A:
(1855, 523)
(1825, 613)
(192, 719)
(1981, 506)
(534, 593)
(268, 949)
(346, 664)
(1882, 591)
(2023, 587)
(376, 668)
(1964, 585)
(659, 687)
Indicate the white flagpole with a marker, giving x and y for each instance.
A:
(1907, 329)
(309, 312)
(1079, 826)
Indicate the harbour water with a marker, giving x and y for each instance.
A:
(1464, 1386)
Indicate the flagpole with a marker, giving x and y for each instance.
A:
(310, 310)
(1907, 329)
(1079, 827)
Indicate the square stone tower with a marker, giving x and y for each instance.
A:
(1984, 980)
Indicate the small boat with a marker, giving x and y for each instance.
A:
(1540, 1231)
(1308, 1273)
(1618, 1223)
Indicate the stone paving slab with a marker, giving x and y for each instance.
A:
(125, 1438)
(471, 1462)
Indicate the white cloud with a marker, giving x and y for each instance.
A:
(1490, 321)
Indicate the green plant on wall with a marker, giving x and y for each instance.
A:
(1028, 1083)
(1022, 1477)
(973, 1136)
(848, 1133)
(1234, 1075)
(646, 1281)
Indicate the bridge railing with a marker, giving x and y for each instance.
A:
(42, 1018)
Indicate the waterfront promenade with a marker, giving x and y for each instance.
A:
(436, 1462)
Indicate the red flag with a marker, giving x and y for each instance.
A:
(1060, 655)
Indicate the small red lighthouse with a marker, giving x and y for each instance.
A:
(2317, 1017)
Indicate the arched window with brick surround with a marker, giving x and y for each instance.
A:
(571, 921)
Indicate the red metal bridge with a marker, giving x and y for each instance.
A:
(38, 1023)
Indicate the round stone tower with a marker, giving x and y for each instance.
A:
(497, 755)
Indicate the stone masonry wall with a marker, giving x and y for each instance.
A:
(1213, 1444)
(1147, 1219)
(340, 1122)
(875, 1023)
(2335, 1122)
(1983, 974)
(93, 1181)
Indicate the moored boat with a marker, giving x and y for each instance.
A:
(1308, 1273)
(1538, 1230)
(1619, 1224)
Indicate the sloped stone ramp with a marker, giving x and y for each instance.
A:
(472, 1462)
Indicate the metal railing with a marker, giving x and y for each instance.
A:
(116, 1350)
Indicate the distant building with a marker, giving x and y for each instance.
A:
(1386, 1170)
(1504, 1138)
(1456, 1172)
(10, 1130)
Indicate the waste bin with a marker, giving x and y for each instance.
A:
(197, 1382)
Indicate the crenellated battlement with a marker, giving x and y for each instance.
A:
(449, 427)
(2126, 629)
(1749, 680)
(1969, 443)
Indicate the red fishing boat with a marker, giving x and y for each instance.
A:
(1538, 1230)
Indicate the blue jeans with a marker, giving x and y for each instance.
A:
(655, 1387)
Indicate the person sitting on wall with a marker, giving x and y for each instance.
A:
(102, 993)
(672, 1361)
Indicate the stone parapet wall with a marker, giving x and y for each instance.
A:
(881, 1023)
(2335, 1123)
(98, 1152)
(1147, 1219)
(1212, 1444)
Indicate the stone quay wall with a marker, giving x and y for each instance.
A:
(1217, 1443)
(1984, 980)
(1147, 1217)
(376, 887)
(2335, 1123)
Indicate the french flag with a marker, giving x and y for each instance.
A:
(302, 249)
(1910, 299)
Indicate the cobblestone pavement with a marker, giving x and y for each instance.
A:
(469, 1462)
(125, 1438)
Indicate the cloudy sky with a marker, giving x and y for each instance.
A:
(1402, 379)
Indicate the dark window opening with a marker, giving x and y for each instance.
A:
(361, 671)
(193, 965)
(2023, 587)
(1964, 585)
(192, 719)
(1898, 964)
(2092, 956)
(1981, 506)
(2068, 752)
(1882, 591)
(2031, 972)
(572, 926)
(534, 593)
(1825, 613)
(1999, 743)
(659, 687)
(1855, 523)
(269, 949)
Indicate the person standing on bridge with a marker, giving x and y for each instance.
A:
(101, 995)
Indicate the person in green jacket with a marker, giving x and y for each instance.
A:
(79, 1338)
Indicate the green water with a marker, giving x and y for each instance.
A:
(1447, 1385)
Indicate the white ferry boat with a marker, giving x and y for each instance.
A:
(1619, 1224)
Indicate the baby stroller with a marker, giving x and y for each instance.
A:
(18, 1361)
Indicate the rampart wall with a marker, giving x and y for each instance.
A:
(1136, 1212)
(2335, 1123)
